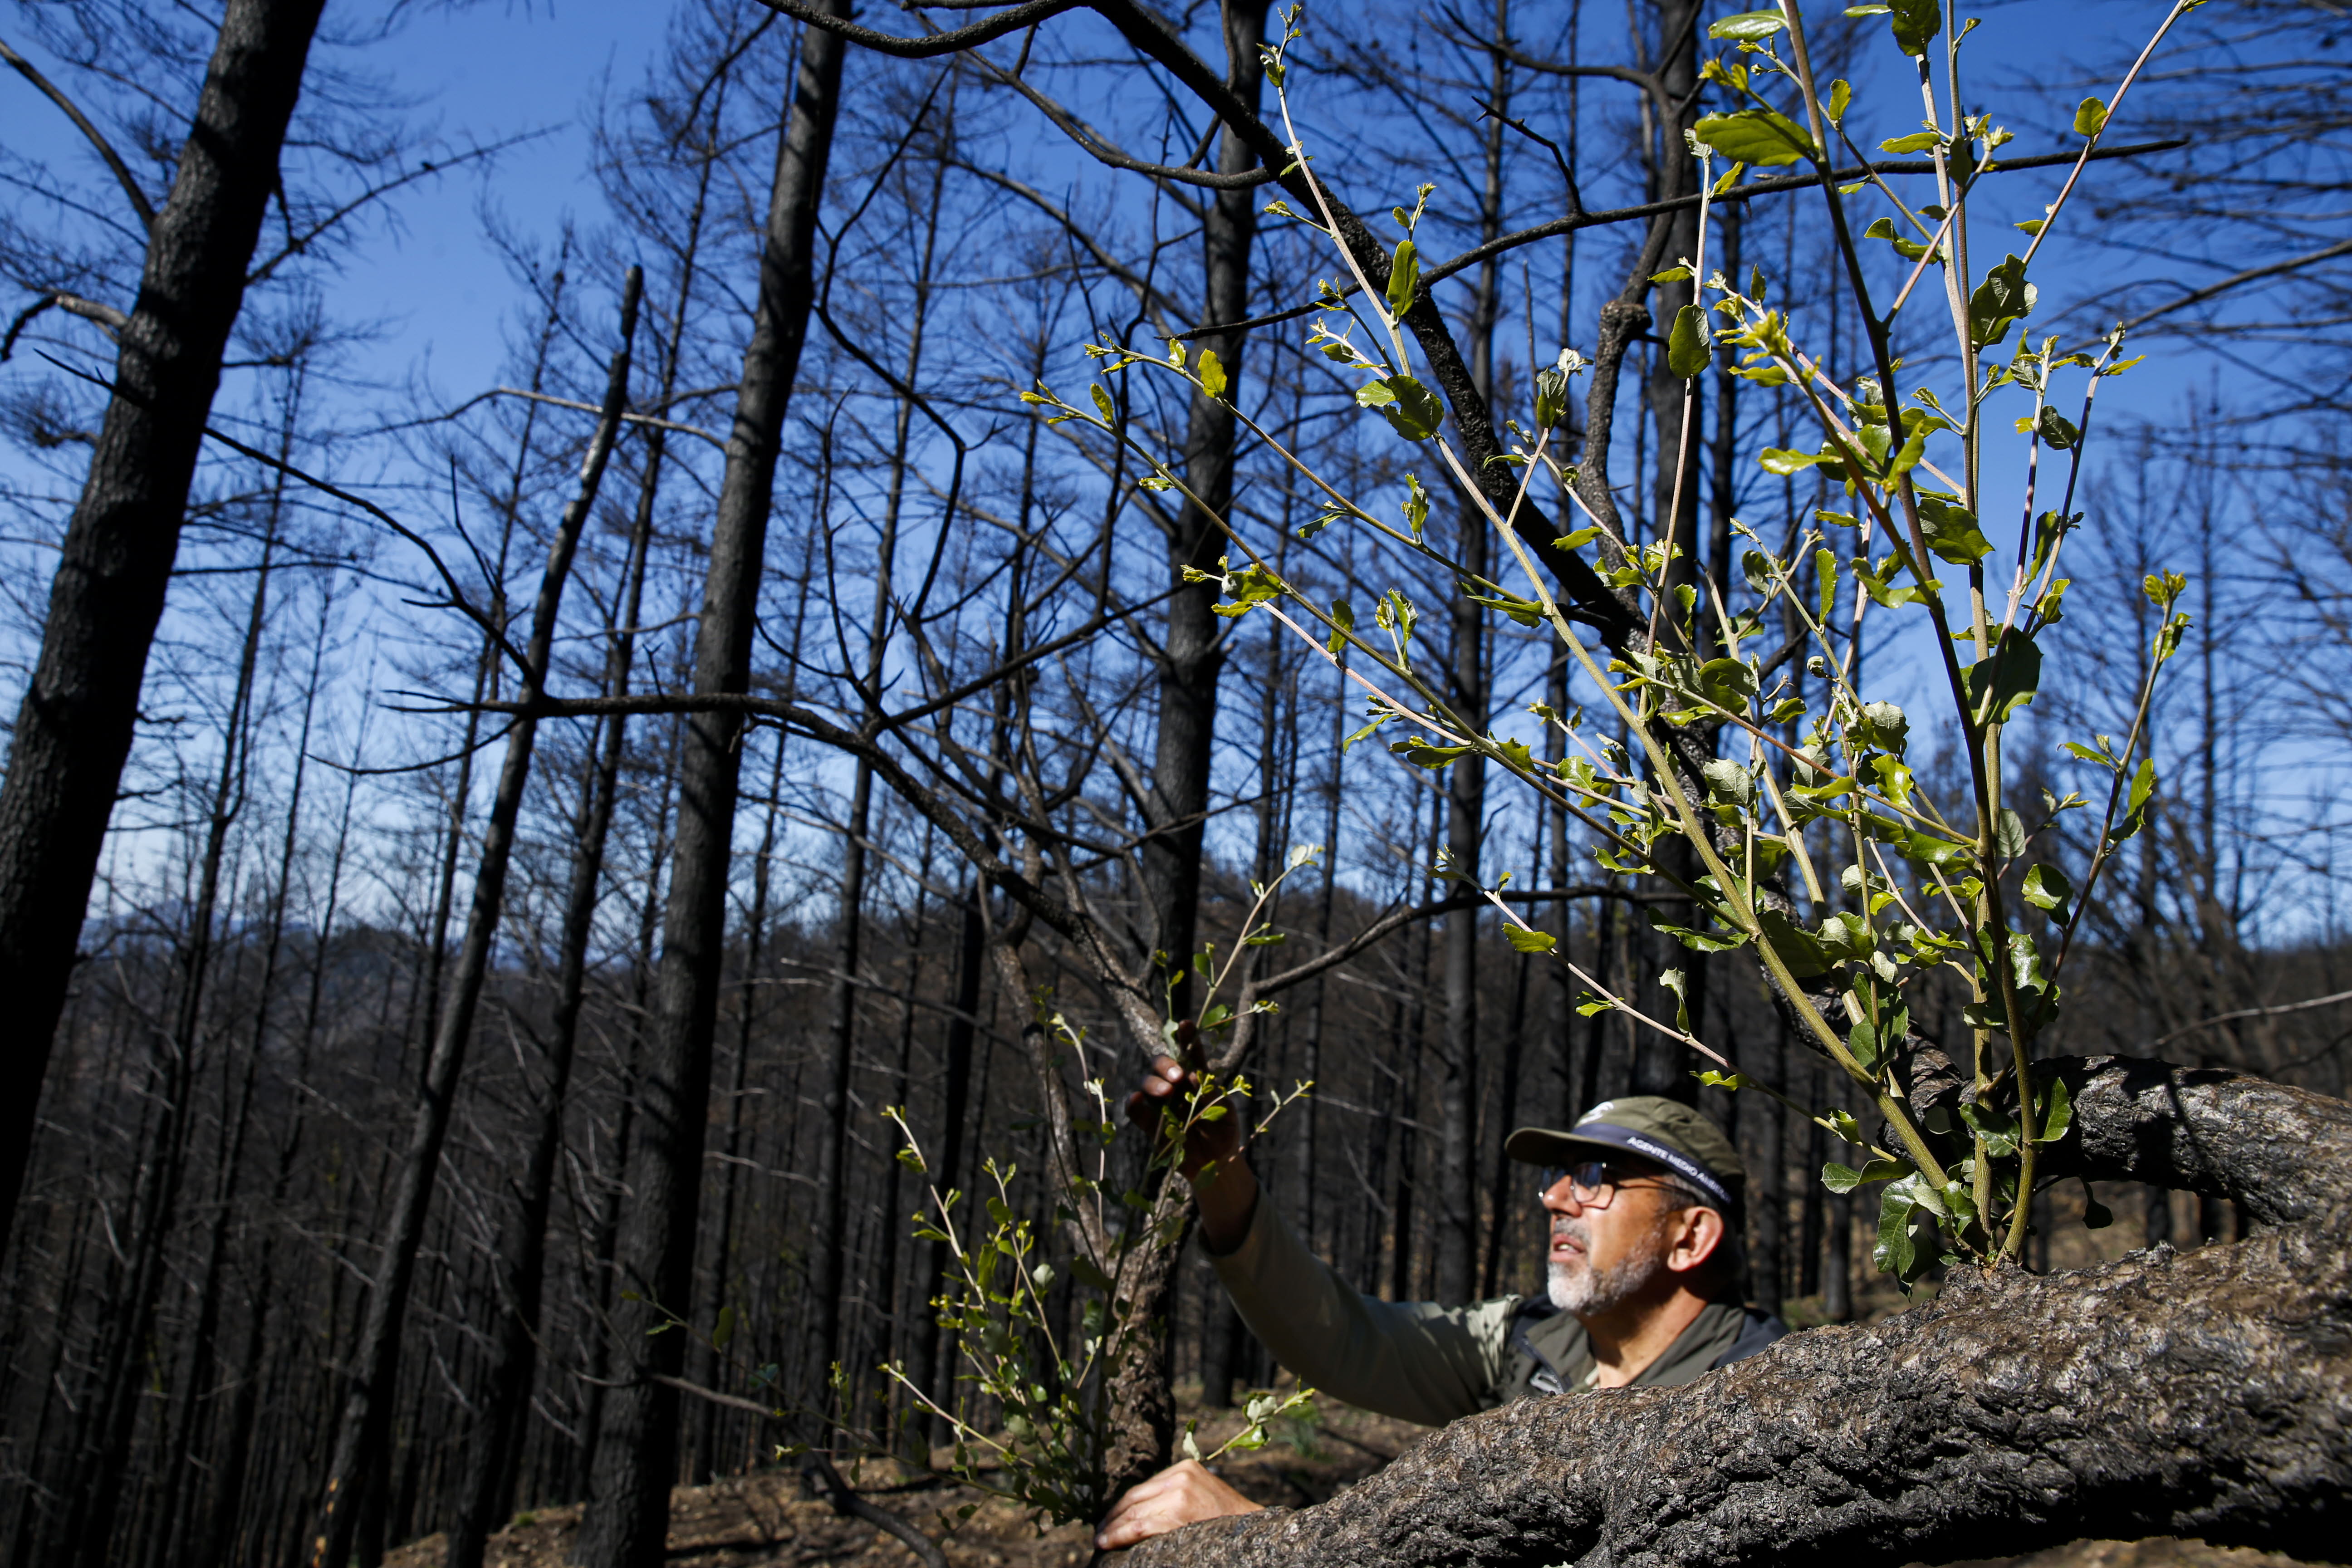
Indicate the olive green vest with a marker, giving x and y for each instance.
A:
(1550, 1353)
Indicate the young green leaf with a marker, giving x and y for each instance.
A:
(1343, 621)
(1686, 347)
(1883, 726)
(1777, 461)
(2003, 299)
(1756, 136)
(1747, 25)
(1552, 397)
(2091, 117)
(1675, 981)
(1917, 23)
(1951, 531)
(1839, 1178)
(1795, 946)
(1411, 408)
(1697, 941)
(1404, 277)
(1526, 941)
(2058, 1112)
(2013, 673)
(2046, 887)
(1862, 1041)
(1212, 373)
(1997, 1126)
(1896, 1252)
(2055, 430)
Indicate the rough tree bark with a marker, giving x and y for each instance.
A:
(828, 1248)
(2205, 1393)
(521, 1264)
(73, 732)
(627, 1523)
(1194, 654)
(1144, 1404)
(365, 1425)
(1465, 781)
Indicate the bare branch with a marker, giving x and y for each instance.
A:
(105, 315)
(137, 197)
(2251, 274)
(2256, 1013)
(937, 44)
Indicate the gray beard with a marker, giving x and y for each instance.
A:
(1587, 1291)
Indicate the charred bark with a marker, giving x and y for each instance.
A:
(74, 729)
(2205, 1393)
(626, 1525)
(521, 1262)
(365, 1430)
(1194, 654)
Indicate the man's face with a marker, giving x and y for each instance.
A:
(1601, 1259)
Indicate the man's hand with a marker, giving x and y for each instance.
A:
(1162, 1092)
(1228, 1198)
(1179, 1495)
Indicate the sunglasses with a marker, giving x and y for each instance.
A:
(1593, 1183)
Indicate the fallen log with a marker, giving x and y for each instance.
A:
(2204, 1393)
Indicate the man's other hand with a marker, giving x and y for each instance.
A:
(1162, 1091)
(1179, 1495)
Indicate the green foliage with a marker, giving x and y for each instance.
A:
(1048, 1388)
(1046, 1449)
(1816, 847)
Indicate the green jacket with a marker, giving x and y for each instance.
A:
(1419, 1361)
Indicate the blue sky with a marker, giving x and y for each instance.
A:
(447, 304)
(487, 72)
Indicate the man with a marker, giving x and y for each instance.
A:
(1644, 1196)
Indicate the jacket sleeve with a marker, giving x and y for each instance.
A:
(1411, 1359)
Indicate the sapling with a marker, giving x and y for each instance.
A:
(1029, 1421)
(1787, 787)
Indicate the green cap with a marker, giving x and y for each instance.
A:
(1666, 1132)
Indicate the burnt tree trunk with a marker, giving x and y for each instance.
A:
(364, 1428)
(1194, 655)
(1143, 1406)
(2205, 1393)
(923, 1345)
(626, 1525)
(1456, 1214)
(74, 729)
(521, 1262)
